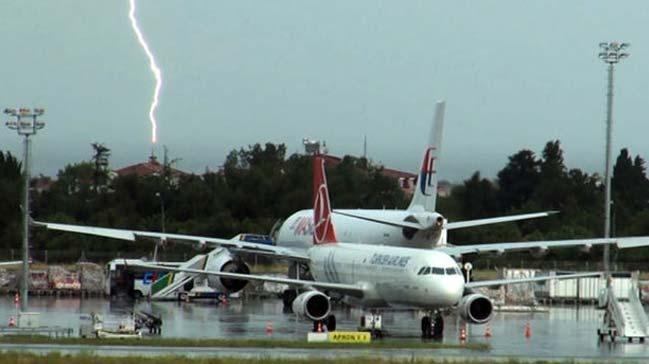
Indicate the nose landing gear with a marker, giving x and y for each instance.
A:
(373, 323)
(432, 327)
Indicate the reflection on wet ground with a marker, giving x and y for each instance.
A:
(565, 331)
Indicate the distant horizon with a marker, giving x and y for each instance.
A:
(178, 165)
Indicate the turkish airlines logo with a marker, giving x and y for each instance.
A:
(323, 231)
(427, 171)
(322, 214)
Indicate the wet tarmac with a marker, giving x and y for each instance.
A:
(564, 331)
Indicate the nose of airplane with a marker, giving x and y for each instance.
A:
(452, 290)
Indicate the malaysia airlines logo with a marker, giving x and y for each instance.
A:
(427, 172)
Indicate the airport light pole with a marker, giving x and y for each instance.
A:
(162, 223)
(611, 53)
(26, 124)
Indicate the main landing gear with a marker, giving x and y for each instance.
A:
(329, 323)
(432, 327)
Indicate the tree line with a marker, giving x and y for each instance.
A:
(260, 185)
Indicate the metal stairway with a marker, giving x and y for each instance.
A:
(624, 317)
(166, 286)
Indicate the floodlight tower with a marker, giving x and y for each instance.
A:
(162, 224)
(611, 53)
(26, 125)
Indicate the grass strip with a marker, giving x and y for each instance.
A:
(238, 343)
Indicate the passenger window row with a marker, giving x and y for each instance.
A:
(440, 271)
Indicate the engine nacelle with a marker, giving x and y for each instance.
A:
(432, 225)
(200, 245)
(313, 305)
(225, 262)
(476, 308)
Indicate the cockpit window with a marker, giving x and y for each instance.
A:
(421, 271)
(451, 271)
(427, 270)
(438, 270)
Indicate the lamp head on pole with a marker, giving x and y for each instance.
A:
(611, 52)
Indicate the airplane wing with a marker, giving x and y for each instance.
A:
(347, 289)
(622, 243)
(449, 225)
(497, 220)
(499, 282)
(397, 223)
(235, 243)
(15, 262)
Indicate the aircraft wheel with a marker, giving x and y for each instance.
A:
(377, 334)
(438, 327)
(425, 327)
(331, 323)
(288, 296)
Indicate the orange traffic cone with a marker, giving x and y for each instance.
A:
(224, 299)
(487, 331)
(12, 322)
(528, 330)
(269, 328)
(463, 334)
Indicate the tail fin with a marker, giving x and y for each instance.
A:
(425, 194)
(323, 230)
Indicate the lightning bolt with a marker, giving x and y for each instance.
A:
(157, 74)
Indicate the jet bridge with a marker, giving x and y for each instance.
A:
(624, 317)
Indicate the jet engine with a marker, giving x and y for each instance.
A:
(313, 305)
(431, 225)
(476, 308)
(225, 262)
(539, 252)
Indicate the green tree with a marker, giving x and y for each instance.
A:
(478, 197)
(10, 197)
(518, 180)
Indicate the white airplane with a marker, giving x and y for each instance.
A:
(418, 226)
(368, 275)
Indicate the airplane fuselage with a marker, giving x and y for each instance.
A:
(297, 230)
(390, 276)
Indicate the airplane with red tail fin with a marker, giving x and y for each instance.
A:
(369, 276)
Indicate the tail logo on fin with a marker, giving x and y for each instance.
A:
(323, 230)
(427, 172)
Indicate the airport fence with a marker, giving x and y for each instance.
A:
(100, 257)
(555, 265)
(177, 255)
(69, 256)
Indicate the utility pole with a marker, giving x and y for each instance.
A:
(162, 223)
(26, 125)
(611, 53)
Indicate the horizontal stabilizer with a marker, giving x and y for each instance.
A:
(497, 220)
